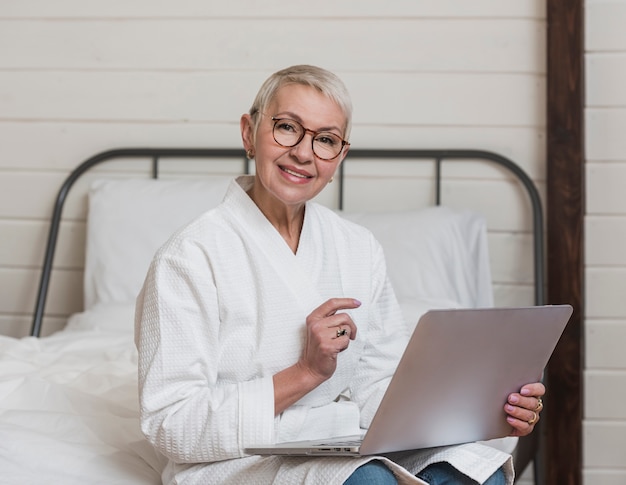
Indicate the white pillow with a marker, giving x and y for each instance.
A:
(107, 317)
(436, 257)
(128, 220)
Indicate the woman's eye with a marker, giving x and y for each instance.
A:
(287, 126)
(326, 140)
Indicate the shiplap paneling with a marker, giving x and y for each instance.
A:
(605, 293)
(606, 476)
(69, 143)
(604, 26)
(605, 240)
(424, 98)
(273, 8)
(605, 188)
(510, 45)
(605, 343)
(605, 235)
(605, 78)
(604, 444)
(513, 295)
(510, 257)
(18, 295)
(605, 130)
(605, 394)
(24, 244)
(30, 195)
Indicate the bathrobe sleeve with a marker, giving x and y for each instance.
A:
(188, 414)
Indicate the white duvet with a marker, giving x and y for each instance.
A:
(69, 411)
(69, 408)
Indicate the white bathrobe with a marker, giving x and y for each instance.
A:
(223, 309)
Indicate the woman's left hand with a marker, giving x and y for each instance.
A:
(523, 408)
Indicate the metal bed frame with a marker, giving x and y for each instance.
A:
(529, 448)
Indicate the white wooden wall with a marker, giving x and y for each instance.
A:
(80, 77)
(605, 255)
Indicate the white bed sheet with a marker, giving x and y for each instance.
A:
(69, 411)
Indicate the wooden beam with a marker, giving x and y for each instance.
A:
(562, 434)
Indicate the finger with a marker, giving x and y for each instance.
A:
(528, 401)
(522, 420)
(325, 316)
(522, 402)
(332, 306)
(535, 389)
(345, 343)
(521, 413)
(521, 427)
(342, 325)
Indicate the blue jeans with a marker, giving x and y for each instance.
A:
(376, 473)
(372, 473)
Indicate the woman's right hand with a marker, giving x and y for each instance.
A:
(327, 334)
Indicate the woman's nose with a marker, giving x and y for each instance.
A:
(303, 151)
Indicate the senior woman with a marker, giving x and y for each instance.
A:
(270, 318)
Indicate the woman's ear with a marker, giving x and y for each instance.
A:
(247, 132)
(344, 152)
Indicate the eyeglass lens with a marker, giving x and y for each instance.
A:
(289, 133)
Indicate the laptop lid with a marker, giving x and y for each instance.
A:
(453, 379)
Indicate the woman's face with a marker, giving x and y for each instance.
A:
(292, 176)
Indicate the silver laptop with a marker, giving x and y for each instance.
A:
(452, 381)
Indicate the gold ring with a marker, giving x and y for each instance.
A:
(539, 405)
(341, 332)
(534, 420)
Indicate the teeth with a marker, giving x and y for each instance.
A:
(295, 174)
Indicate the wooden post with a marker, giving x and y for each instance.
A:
(562, 440)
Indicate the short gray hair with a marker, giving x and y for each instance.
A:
(324, 81)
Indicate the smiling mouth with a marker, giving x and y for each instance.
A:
(296, 174)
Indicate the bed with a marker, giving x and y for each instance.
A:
(68, 401)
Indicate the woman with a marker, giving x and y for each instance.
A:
(271, 319)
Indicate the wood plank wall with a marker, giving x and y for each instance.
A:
(604, 425)
(77, 79)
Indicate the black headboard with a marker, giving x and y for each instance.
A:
(438, 156)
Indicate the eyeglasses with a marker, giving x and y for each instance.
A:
(288, 133)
